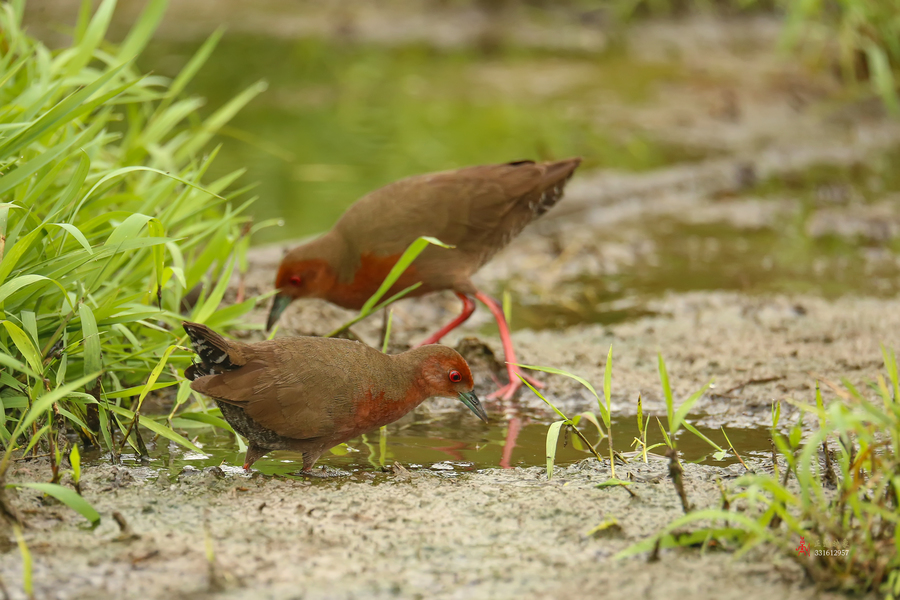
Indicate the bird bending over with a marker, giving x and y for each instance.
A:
(478, 210)
(307, 394)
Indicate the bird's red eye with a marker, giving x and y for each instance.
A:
(295, 280)
(455, 376)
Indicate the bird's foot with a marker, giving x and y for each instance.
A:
(323, 472)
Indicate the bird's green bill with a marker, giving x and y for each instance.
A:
(279, 303)
(471, 400)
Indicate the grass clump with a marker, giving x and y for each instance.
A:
(106, 227)
(676, 420)
(831, 500)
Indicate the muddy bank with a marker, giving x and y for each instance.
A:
(493, 534)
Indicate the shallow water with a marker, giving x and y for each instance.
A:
(716, 256)
(451, 444)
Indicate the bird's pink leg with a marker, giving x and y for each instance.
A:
(468, 309)
(509, 355)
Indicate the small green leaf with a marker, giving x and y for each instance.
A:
(75, 461)
(341, 450)
(613, 483)
(606, 523)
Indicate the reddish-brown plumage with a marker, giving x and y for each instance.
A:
(478, 210)
(309, 394)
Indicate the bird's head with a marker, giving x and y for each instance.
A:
(299, 277)
(445, 373)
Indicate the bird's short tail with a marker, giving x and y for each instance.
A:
(216, 353)
(556, 175)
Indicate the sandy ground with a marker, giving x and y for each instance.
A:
(493, 534)
(512, 533)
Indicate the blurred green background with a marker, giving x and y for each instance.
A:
(341, 119)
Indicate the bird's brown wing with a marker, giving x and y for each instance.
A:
(477, 209)
(295, 387)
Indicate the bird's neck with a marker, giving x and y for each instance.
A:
(410, 367)
(332, 249)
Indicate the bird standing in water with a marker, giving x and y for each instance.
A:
(308, 394)
(478, 210)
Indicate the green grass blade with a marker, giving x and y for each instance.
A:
(157, 428)
(696, 432)
(406, 259)
(11, 287)
(143, 30)
(56, 116)
(552, 441)
(16, 365)
(27, 565)
(664, 434)
(890, 363)
(387, 331)
(613, 483)
(76, 233)
(91, 339)
(882, 77)
(125, 170)
(68, 497)
(607, 383)
(43, 403)
(208, 419)
(75, 461)
(667, 390)
(211, 303)
(685, 408)
(197, 61)
(541, 396)
(604, 414)
(218, 119)
(93, 36)
(157, 370)
(25, 346)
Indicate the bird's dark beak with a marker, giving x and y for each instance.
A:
(471, 400)
(279, 303)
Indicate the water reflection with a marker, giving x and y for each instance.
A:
(451, 444)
